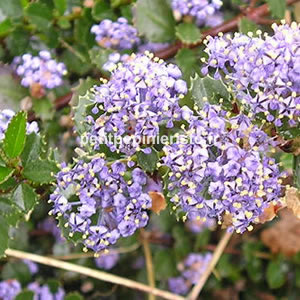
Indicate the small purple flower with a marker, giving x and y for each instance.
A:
(41, 70)
(97, 202)
(33, 267)
(43, 292)
(107, 261)
(9, 289)
(116, 35)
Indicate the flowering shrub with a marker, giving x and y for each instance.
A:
(137, 137)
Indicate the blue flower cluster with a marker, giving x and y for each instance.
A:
(116, 35)
(99, 202)
(142, 94)
(264, 71)
(9, 289)
(43, 292)
(5, 117)
(191, 270)
(198, 226)
(205, 12)
(223, 172)
(39, 70)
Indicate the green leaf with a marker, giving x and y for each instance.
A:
(11, 8)
(246, 25)
(207, 88)
(40, 15)
(32, 149)
(17, 270)
(277, 8)
(43, 109)
(15, 135)
(73, 296)
(80, 112)
(183, 244)
(82, 32)
(164, 264)
(99, 57)
(188, 33)
(11, 92)
(102, 10)
(77, 63)
(4, 238)
(188, 62)
(61, 6)
(275, 274)
(6, 27)
(82, 88)
(25, 295)
(24, 197)
(116, 3)
(5, 173)
(148, 162)
(154, 20)
(41, 171)
(11, 214)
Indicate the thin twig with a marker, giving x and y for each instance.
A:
(92, 273)
(91, 254)
(149, 264)
(216, 256)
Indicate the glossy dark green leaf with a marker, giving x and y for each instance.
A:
(148, 162)
(102, 10)
(154, 20)
(15, 135)
(5, 173)
(24, 197)
(6, 27)
(18, 42)
(32, 149)
(188, 33)
(41, 171)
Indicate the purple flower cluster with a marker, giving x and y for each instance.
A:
(116, 35)
(9, 289)
(205, 12)
(97, 201)
(142, 94)
(32, 266)
(5, 117)
(107, 260)
(43, 292)
(264, 71)
(223, 171)
(39, 70)
(191, 270)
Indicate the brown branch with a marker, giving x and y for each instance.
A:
(252, 13)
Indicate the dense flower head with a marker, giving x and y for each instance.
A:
(142, 94)
(5, 117)
(44, 292)
(97, 201)
(41, 70)
(223, 172)
(191, 270)
(264, 71)
(202, 10)
(9, 289)
(116, 35)
(107, 260)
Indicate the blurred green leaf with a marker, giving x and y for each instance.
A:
(5, 174)
(41, 171)
(82, 32)
(164, 264)
(154, 20)
(18, 42)
(277, 8)
(25, 295)
(116, 3)
(99, 57)
(39, 14)
(188, 33)
(296, 171)
(17, 270)
(11, 8)
(43, 109)
(73, 296)
(183, 245)
(276, 276)
(61, 6)
(246, 25)
(6, 27)
(148, 162)
(102, 10)
(15, 135)
(24, 197)
(3, 235)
